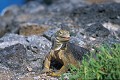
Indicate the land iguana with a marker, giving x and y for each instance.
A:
(64, 52)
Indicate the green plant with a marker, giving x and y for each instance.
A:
(103, 65)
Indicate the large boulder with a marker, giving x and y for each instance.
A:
(13, 57)
(36, 48)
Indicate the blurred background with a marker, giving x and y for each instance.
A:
(6, 3)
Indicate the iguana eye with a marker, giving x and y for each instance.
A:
(60, 32)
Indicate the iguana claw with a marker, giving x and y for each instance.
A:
(54, 74)
(46, 70)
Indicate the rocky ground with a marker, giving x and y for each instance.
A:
(26, 31)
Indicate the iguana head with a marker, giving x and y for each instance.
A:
(62, 35)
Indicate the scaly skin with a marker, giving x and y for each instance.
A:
(59, 52)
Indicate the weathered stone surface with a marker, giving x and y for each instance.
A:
(13, 57)
(6, 74)
(2, 28)
(98, 1)
(36, 48)
(33, 7)
(97, 13)
(4, 22)
(97, 30)
(28, 29)
(12, 39)
(49, 33)
(19, 53)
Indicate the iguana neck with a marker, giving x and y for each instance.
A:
(57, 45)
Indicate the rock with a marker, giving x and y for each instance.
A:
(79, 40)
(23, 18)
(27, 76)
(97, 30)
(36, 76)
(99, 1)
(6, 24)
(33, 7)
(28, 29)
(96, 13)
(6, 75)
(13, 57)
(38, 48)
(23, 54)
(114, 29)
(40, 22)
(2, 28)
(94, 21)
(8, 15)
(49, 33)
(111, 26)
(118, 34)
(57, 5)
(12, 39)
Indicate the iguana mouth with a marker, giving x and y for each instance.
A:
(66, 38)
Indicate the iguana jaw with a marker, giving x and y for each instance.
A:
(66, 38)
(63, 39)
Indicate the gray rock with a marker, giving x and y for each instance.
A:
(78, 40)
(96, 13)
(33, 7)
(97, 30)
(13, 57)
(4, 22)
(28, 29)
(37, 48)
(2, 28)
(6, 75)
(57, 5)
(12, 39)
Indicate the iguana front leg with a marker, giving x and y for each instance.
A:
(60, 54)
(63, 69)
(47, 62)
